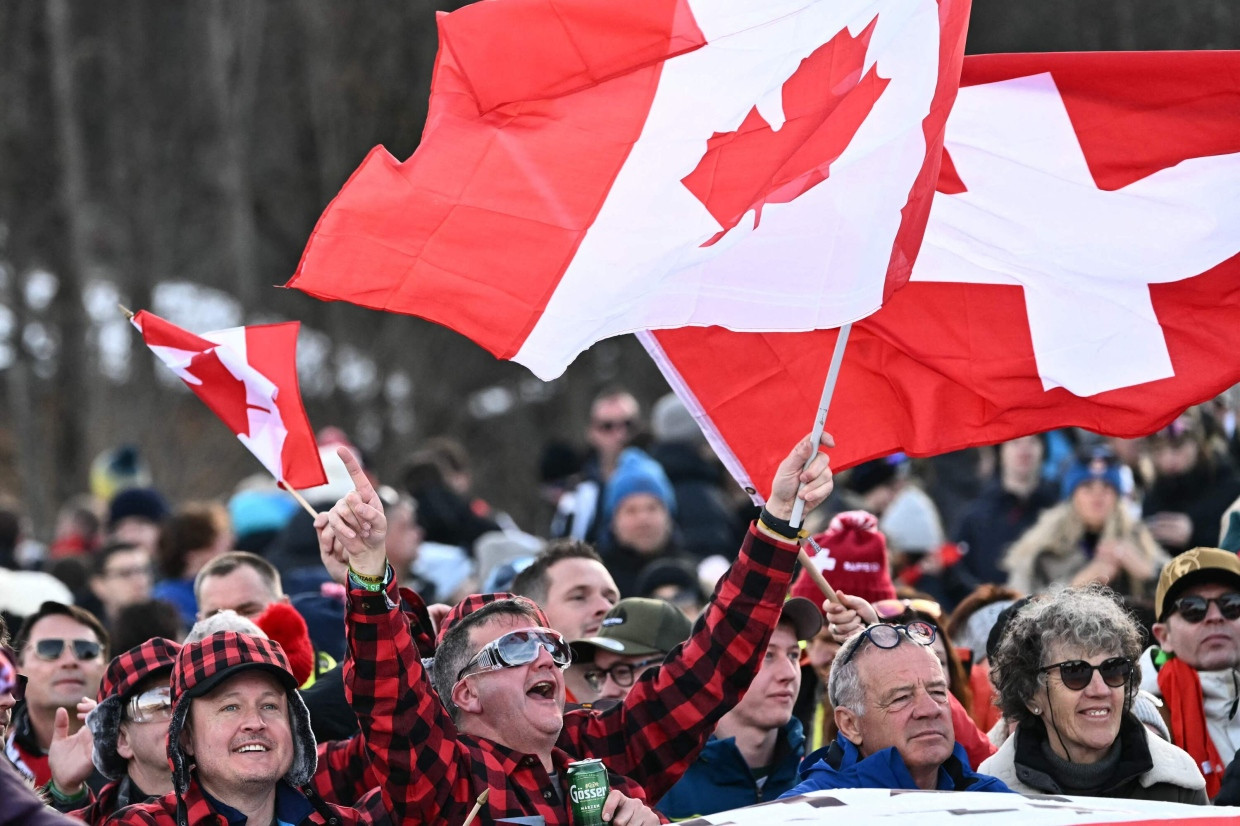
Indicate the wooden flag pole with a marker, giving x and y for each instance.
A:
(128, 312)
(816, 575)
(301, 500)
(820, 422)
(482, 798)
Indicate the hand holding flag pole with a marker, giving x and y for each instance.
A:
(803, 479)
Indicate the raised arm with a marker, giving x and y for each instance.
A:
(656, 733)
(415, 757)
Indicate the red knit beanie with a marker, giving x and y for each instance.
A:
(853, 560)
(281, 622)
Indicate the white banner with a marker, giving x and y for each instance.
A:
(857, 806)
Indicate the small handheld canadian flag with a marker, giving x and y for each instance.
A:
(248, 377)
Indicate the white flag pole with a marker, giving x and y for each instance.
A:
(820, 422)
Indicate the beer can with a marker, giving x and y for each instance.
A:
(588, 788)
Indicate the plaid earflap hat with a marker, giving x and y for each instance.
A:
(124, 674)
(473, 602)
(204, 665)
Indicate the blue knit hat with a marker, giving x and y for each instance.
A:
(257, 511)
(636, 472)
(1097, 463)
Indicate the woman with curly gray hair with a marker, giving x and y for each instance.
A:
(1065, 676)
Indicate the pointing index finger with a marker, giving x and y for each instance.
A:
(360, 482)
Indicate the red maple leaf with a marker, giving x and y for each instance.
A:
(221, 391)
(825, 102)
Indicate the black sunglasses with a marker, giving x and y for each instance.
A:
(622, 674)
(1194, 609)
(51, 649)
(1076, 674)
(888, 636)
(11, 682)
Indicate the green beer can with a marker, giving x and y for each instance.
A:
(587, 792)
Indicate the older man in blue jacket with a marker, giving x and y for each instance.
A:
(895, 726)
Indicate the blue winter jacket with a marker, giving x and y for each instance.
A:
(840, 766)
(720, 778)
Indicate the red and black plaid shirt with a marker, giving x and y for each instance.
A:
(162, 811)
(429, 771)
(343, 775)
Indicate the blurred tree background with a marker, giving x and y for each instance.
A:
(175, 156)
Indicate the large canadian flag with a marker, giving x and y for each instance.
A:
(1080, 267)
(594, 168)
(248, 377)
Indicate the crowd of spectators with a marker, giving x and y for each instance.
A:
(1057, 614)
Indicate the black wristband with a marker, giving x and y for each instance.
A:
(779, 526)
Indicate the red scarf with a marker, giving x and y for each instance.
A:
(1181, 690)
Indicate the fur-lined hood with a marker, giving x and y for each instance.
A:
(124, 674)
(1054, 542)
(203, 665)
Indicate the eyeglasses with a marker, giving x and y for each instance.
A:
(155, 704)
(888, 636)
(622, 674)
(1076, 674)
(11, 682)
(1194, 609)
(518, 648)
(608, 425)
(51, 649)
(892, 608)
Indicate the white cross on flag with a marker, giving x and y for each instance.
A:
(248, 377)
(1081, 266)
(590, 169)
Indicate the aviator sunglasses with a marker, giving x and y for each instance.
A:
(1194, 609)
(51, 649)
(518, 648)
(1076, 674)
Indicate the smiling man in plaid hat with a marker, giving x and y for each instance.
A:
(239, 741)
(508, 735)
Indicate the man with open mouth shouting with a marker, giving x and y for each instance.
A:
(488, 716)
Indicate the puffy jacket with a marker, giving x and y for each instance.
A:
(840, 766)
(1149, 768)
(720, 779)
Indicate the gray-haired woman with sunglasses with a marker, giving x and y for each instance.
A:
(1065, 676)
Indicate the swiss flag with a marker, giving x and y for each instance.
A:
(1080, 267)
(248, 377)
(590, 169)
